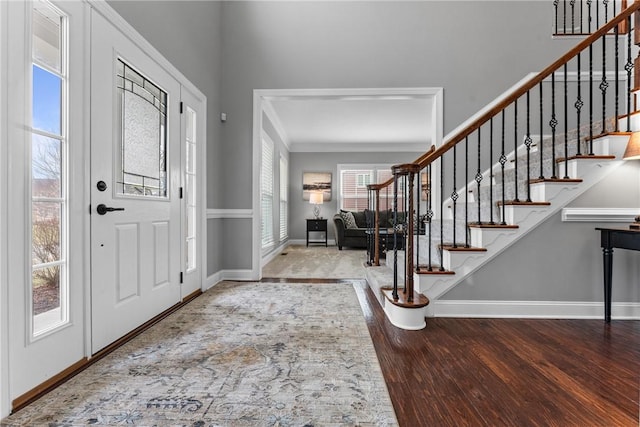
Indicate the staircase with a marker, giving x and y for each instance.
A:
(498, 195)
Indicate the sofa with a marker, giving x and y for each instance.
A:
(351, 226)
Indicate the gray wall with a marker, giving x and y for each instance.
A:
(474, 50)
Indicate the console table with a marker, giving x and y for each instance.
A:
(319, 225)
(610, 238)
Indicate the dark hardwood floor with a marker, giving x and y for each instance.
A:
(508, 372)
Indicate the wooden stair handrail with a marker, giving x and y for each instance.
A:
(530, 84)
(432, 154)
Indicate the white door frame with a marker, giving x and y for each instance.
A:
(5, 402)
(261, 104)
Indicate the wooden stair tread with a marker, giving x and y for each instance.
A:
(586, 157)
(523, 203)
(435, 270)
(559, 180)
(494, 225)
(462, 248)
(419, 300)
(603, 134)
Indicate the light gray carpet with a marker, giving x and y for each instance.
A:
(317, 262)
(242, 354)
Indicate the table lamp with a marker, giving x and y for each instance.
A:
(633, 147)
(316, 199)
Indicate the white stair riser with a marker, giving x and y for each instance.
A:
(516, 214)
(484, 237)
(548, 191)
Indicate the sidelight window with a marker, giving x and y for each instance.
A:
(48, 151)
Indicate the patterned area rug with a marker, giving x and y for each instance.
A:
(317, 263)
(242, 354)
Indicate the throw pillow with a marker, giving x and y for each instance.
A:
(349, 221)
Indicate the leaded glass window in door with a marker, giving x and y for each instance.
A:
(142, 154)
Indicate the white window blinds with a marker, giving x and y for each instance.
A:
(284, 195)
(266, 187)
(353, 187)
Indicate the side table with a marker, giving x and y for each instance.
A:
(317, 225)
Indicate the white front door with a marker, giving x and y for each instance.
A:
(135, 185)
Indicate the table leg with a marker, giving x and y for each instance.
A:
(607, 255)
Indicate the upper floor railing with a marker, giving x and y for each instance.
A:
(581, 17)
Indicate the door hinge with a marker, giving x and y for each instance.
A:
(181, 107)
(181, 192)
(181, 277)
(89, 209)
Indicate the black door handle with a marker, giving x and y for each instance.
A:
(103, 209)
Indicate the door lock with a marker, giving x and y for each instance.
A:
(103, 209)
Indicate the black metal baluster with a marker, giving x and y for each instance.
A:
(454, 195)
(503, 161)
(555, 6)
(597, 16)
(429, 216)
(604, 84)
(581, 16)
(527, 144)
(573, 14)
(629, 68)
(416, 239)
(395, 237)
(491, 221)
(466, 190)
(578, 105)
(566, 124)
(515, 148)
(553, 123)
(478, 179)
(591, 102)
(564, 17)
(617, 79)
(441, 212)
(541, 147)
(404, 234)
(589, 17)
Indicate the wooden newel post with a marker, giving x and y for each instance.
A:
(410, 170)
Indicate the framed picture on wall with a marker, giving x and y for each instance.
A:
(316, 181)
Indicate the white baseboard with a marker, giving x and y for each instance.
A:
(534, 309)
(240, 275)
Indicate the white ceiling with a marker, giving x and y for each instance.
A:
(356, 122)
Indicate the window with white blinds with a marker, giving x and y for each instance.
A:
(353, 186)
(266, 199)
(284, 196)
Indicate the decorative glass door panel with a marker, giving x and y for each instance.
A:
(142, 168)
